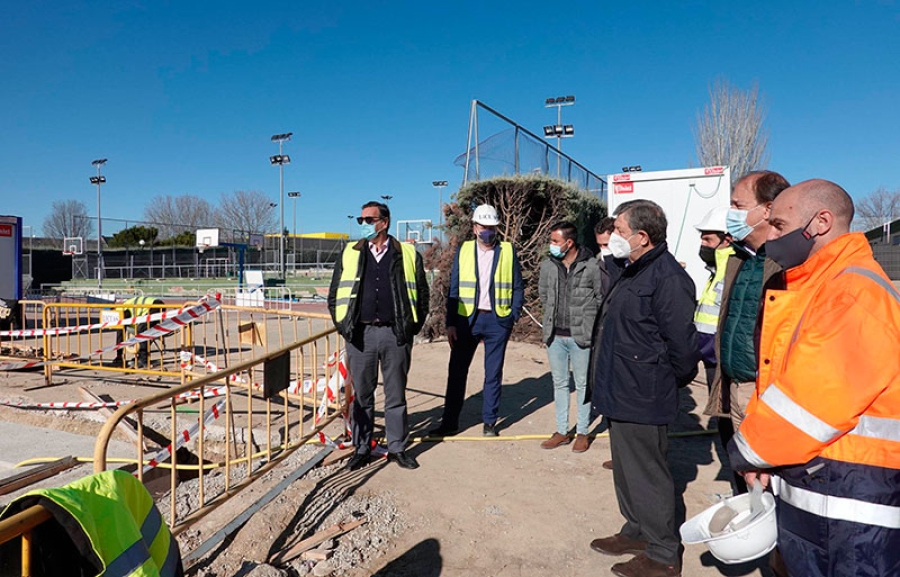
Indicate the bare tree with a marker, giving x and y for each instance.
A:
(173, 215)
(730, 130)
(877, 208)
(68, 218)
(247, 211)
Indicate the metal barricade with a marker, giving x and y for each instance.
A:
(231, 432)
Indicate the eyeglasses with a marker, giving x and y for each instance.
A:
(368, 219)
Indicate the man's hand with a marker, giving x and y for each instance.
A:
(752, 476)
(451, 336)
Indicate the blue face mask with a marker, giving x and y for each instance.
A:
(736, 223)
(367, 231)
(556, 251)
(487, 236)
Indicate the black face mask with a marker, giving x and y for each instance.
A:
(793, 248)
(708, 255)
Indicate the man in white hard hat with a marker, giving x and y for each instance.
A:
(485, 298)
(715, 248)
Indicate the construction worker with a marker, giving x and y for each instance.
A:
(139, 307)
(378, 300)
(570, 294)
(486, 295)
(747, 271)
(715, 248)
(824, 417)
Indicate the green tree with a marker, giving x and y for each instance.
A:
(132, 237)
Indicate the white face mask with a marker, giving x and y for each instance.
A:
(605, 251)
(618, 245)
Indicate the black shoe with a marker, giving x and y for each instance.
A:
(358, 461)
(490, 430)
(403, 460)
(444, 431)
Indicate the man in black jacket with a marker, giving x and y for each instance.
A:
(644, 349)
(379, 300)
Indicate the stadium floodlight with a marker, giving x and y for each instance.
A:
(559, 131)
(280, 160)
(387, 198)
(99, 180)
(440, 184)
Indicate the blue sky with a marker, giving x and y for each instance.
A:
(184, 97)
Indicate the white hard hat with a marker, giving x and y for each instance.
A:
(740, 541)
(714, 221)
(486, 215)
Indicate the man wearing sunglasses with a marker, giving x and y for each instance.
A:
(379, 300)
(486, 295)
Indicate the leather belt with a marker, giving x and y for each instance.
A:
(378, 324)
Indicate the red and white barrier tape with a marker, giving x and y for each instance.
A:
(149, 318)
(167, 326)
(66, 405)
(186, 435)
(19, 365)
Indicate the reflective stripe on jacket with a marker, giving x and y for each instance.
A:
(126, 533)
(468, 280)
(706, 318)
(827, 404)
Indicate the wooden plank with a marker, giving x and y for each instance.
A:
(316, 555)
(123, 426)
(315, 540)
(35, 474)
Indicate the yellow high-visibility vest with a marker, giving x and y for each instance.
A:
(468, 280)
(709, 305)
(118, 516)
(348, 287)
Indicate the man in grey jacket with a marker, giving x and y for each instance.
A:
(570, 291)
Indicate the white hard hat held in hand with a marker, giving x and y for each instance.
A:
(486, 215)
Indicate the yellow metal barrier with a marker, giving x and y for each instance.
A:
(20, 525)
(227, 335)
(292, 417)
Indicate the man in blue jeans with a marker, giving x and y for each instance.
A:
(485, 297)
(570, 291)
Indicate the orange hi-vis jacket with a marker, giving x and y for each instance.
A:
(829, 364)
(826, 414)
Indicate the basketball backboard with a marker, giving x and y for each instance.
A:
(207, 238)
(73, 245)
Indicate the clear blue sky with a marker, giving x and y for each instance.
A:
(183, 97)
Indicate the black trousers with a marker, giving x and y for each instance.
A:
(644, 487)
(371, 347)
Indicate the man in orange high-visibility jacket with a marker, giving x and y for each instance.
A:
(826, 415)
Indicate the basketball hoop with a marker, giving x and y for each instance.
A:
(411, 240)
(202, 247)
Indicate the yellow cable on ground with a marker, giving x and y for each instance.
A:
(425, 439)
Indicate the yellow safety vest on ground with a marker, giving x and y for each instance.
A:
(117, 515)
(468, 280)
(348, 289)
(706, 318)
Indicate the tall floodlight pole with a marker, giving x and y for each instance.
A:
(559, 130)
(295, 195)
(440, 184)
(99, 180)
(350, 217)
(387, 198)
(281, 159)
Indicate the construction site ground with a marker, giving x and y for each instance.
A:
(487, 507)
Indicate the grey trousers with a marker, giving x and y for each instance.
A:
(372, 346)
(644, 487)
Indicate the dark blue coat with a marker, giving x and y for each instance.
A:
(645, 343)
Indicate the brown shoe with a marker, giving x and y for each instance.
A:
(643, 566)
(582, 444)
(618, 544)
(555, 441)
(607, 465)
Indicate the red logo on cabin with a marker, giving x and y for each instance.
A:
(714, 170)
(624, 188)
(621, 177)
(6, 230)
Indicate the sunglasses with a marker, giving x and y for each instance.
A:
(367, 219)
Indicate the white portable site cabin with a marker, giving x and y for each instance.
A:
(686, 196)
